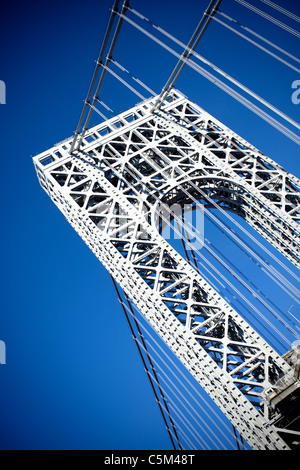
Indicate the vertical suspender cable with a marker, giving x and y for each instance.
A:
(96, 71)
(264, 49)
(105, 65)
(282, 10)
(237, 96)
(262, 38)
(198, 33)
(146, 368)
(224, 74)
(222, 276)
(152, 368)
(175, 371)
(270, 18)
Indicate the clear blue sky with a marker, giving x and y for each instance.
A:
(73, 378)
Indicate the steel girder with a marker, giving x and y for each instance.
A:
(109, 191)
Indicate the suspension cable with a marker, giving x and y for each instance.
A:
(259, 262)
(216, 254)
(124, 82)
(183, 59)
(98, 112)
(208, 411)
(225, 288)
(88, 105)
(174, 387)
(211, 215)
(134, 78)
(219, 71)
(264, 49)
(105, 106)
(146, 367)
(96, 71)
(229, 263)
(271, 310)
(104, 69)
(293, 289)
(153, 370)
(291, 135)
(191, 427)
(282, 10)
(232, 234)
(233, 287)
(241, 305)
(246, 232)
(270, 18)
(267, 41)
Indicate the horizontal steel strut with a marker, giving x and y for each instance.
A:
(140, 159)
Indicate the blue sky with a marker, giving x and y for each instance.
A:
(73, 378)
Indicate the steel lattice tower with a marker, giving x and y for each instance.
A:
(109, 190)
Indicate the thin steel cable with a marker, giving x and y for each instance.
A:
(221, 72)
(289, 292)
(252, 254)
(176, 388)
(216, 219)
(250, 304)
(237, 442)
(221, 275)
(235, 289)
(246, 232)
(247, 283)
(192, 412)
(105, 106)
(188, 424)
(134, 78)
(214, 204)
(247, 286)
(264, 49)
(229, 231)
(269, 17)
(96, 71)
(297, 292)
(258, 323)
(188, 51)
(214, 268)
(102, 76)
(235, 237)
(173, 429)
(209, 412)
(208, 247)
(282, 10)
(98, 112)
(291, 135)
(267, 41)
(147, 370)
(124, 82)
(202, 444)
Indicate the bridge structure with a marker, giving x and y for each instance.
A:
(119, 183)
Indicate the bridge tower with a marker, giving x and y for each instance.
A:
(127, 172)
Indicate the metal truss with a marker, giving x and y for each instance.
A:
(111, 189)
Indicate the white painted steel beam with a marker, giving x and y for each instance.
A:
(110, 190)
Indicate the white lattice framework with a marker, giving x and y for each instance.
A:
(109, 190)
